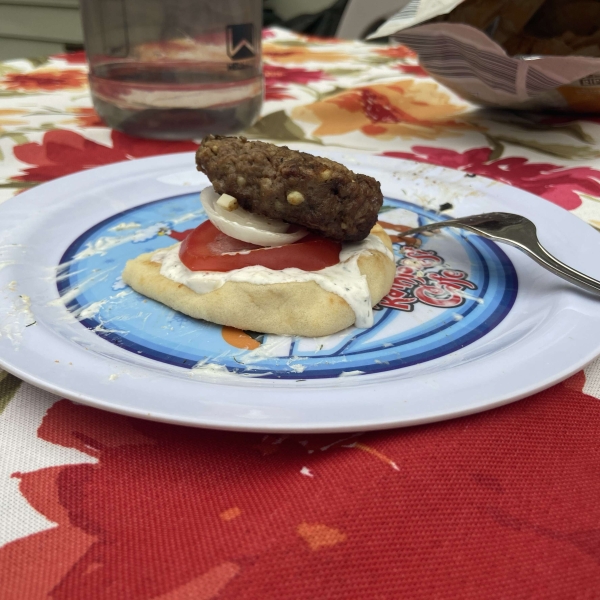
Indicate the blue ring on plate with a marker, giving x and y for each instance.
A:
(361, 350)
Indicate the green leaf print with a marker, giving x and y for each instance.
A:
(5, 69)
(18, 185)
(374, 59)
(497, 148)
(9, 385)
(38, 61)
(17, 138)
(343, 72)
(277, 126)
(11, 94)
(333, 92)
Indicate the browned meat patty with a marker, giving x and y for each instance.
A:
(274, 181)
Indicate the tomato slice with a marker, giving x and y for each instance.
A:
(208, 249)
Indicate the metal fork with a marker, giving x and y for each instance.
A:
(518, 232)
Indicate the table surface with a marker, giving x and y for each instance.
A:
(503, 504)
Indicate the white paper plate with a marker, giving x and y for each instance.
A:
(502, 329)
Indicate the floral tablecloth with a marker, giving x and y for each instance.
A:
(502, 504)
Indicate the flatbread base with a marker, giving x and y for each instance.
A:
(302, 308)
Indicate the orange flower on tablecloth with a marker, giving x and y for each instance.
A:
(6, 117)
(396, 52)
(406, 109)
(45, 80)
(86, 117)
(280, 53)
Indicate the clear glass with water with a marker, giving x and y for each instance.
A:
(174, 69)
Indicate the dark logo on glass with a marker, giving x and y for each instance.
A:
(240, 41)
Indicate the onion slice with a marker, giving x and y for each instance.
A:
(246, 226)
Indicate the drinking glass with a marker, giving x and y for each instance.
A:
(174, 69)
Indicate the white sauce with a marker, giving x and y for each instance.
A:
(91, 310)
(124, 226)
(343, 279)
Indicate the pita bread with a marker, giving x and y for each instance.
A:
(302, 308)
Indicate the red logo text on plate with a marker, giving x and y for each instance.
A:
(420, 277)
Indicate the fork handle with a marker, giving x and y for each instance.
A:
(544, 258)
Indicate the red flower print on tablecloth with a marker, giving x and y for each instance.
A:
(280, 74)
(277, 78)
(173, 512)
(64, 152)
(45, 80)
(73, 58)
(274, 91)
(396, 52)
(414, 70)
(86, 117)
(555, 183)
